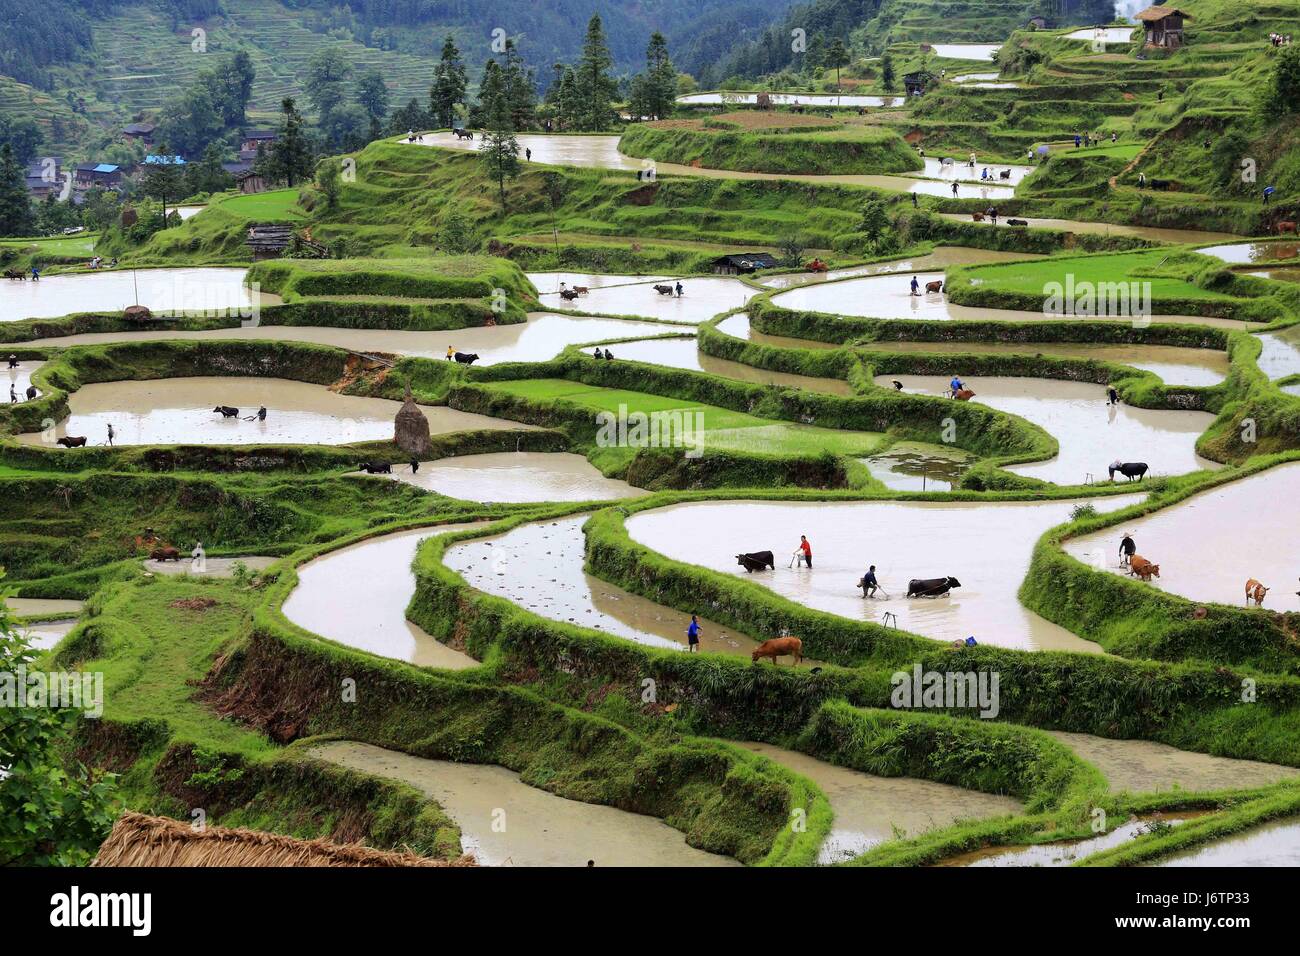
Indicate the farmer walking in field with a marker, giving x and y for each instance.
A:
(805, 550)
(693, 634)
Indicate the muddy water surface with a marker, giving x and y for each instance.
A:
(1174, 365)
(42, 607)
(702, 298)
(940, 258)
(358, 596)
(542, 337)
(162, 290)
(541, 829)
(966, 51)
(1060, 853)
(1273, 844)
(553, 281)
(1157, 233)
(684, 354)
(1208, 545)
(15, 381)
(179, 411)
(960, 170)
(1244, 253)
(1091, 433)
(514, 477)
(869, 810)
(1139, 766)
(890, 297)
(737, 326)
(986, 546)
(918, 466)
(46, 634)
(539, 567)
(1280, 353)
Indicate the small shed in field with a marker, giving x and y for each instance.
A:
(1163, 26)
(915, 83)
(742, 263)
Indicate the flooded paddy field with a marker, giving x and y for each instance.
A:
(791, 99)
(738, 327)
(543, 830)
(516, 477)
(960, 170)
(685, 354)
(702, 298)
(940, 258)
(539, 567)
(163, 291)
(1063, 852)
(1209, 545)
(1091, 433)
(1144, 766)
(1154, 233)
(966, 51)
(1279, 355)
(180, 411)
(16, 381)
(542, 337)
(553, 282)
(985, 546)
(918, 466)
(1245, 253)
(870, 810)
(210, 567)
(890, 297)
(1175, 365)
(358, 595)
(1272, 844)
(45, 634)
(43, 607)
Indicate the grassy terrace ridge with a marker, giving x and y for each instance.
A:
(719, 143)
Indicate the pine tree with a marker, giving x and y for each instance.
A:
(520, 89)
(372, 97)
(449, 84)
(291, 152)
(887, 78)
(836, 57)
(658, 89)
(164, 179)
(16, 217)
(566, 101)
(595, 88)
(500, 148)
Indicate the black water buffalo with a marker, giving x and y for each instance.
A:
(664, 289)
(1017, 222)
(463, 134)
(165, 554)
(931, 587)
(756, 561)
(226, 411)
(466, 358)
(1159, 183)
(1005, 174)
(31, 392)
(377, 468)
(72, 441)
(568, 295)
(1129, 469)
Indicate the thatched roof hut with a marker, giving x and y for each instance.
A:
(141, 840)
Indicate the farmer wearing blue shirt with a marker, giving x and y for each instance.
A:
(869, 583)
(693, 634)
(955, 385)
(916, 286)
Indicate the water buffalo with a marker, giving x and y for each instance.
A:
(1004, 174)
(663, 289)
(1286, 226)
(977, 216)
(1140, 567)
(935, 286)
(963, 394)
(463, 134)
(580, 290)
(466, 358)
(898, 386)
(31, 392)
(568, 295)
(16, 275)
(931, 587)
(165, 554)
(71, 441)
(1159, 183)
(1129, 469)
(778, 646)
(756, 561)
(377, 468)
(226, 411)
(1255, 592)
(1017, 222)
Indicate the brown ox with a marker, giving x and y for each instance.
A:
(165, 554)
(581, 289)
(977, 216)
(935, 286)
(778, 646)
(963, 394)
(1142, 568)
(1255, 592)
(1285, 226)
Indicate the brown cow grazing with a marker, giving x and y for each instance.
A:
(778, 646)
(935, 286)
(1255, 592)
(165, 554)
(1286, 226)
(1139, 566)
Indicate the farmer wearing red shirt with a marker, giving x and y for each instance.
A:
(806, 548)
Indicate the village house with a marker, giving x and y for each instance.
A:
(1164, 26)
(139, 132)
(743, 263)
(1038, 23)
(101, 175)
(45, 177)
(915, 83)
(254, 138)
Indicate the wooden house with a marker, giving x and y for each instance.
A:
(1163, 26)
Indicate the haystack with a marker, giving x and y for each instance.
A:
(411, 429)
(141, 840)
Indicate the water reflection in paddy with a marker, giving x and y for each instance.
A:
(514, 477)
(1157, 233)
(870, 810)
(1273, 844)
(539, 567)
(542, 829)
(45, 634)
(702, 298)
(1243, 253)
(15, 381)
(358, 596)
(542, 337)
(985, 545)
(1175, 365)
(966, 51)
(940, 258)
(1091, 433)
(1280, 353)
(162, 290)
(917, 466)
(1208, 545)
(737, 326)
(551, 281)
(180, 411)
(685, 354)
(1060, 853)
